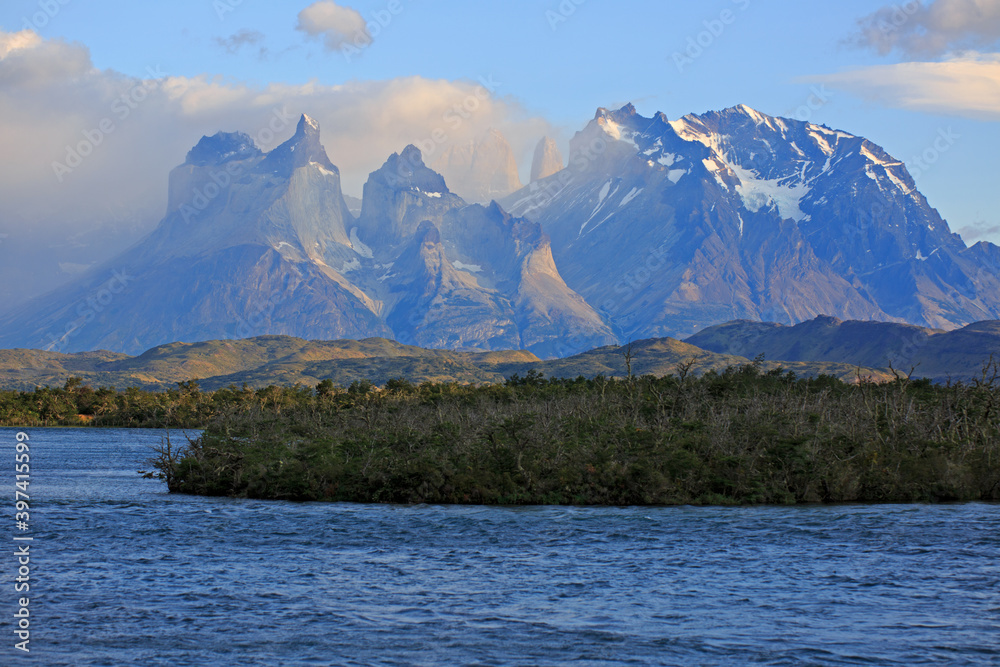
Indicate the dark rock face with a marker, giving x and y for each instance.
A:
(454, 275)
(670, 226)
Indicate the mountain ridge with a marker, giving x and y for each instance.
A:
(747, 216)
(959, 354)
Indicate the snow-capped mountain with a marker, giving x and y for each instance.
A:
(670, 226)
(257, 243)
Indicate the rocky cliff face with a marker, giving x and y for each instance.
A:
(481, 170)
(670, 226)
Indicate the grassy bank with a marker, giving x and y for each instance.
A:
(741, 436)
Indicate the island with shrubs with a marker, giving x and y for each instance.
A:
(739, 436)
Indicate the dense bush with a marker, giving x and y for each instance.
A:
(740, 436)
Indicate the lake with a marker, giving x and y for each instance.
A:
(123, 573)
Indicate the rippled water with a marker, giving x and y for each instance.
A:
(125, 574)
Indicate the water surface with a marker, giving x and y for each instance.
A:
(125, 574)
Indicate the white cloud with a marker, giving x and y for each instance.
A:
(337, 25)
(52, 99)
(967, 85)
(919, 30)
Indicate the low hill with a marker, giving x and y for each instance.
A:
(939, 355)
(284, 360)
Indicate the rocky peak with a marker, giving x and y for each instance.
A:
(482, 169)
(407, 171)
(222, 147)
(303, 148)
(627, 111)
(547, 160)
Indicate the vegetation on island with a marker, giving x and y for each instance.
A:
(739, 436)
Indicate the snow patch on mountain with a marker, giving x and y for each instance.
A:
(758, 193)
(321, 168)
(630, 196)
(358, 246)
(866, 152)
(603, 195)
(617, 132)
(471, 268)
(757, 117)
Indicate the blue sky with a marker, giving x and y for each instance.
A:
(902, 75)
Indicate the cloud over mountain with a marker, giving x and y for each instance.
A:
(967, 85)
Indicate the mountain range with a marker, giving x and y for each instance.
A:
(257, 243)
(654, 229)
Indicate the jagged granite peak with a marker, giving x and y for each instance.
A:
(303, 148)
(397, 197)
(222, 147)
(547, 160)
(406, 171)
(480, 170)
(624, 112)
